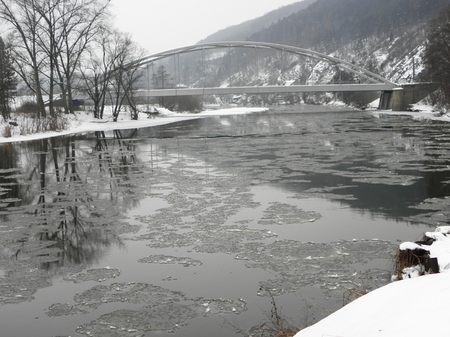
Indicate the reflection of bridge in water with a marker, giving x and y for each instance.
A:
(367, 80)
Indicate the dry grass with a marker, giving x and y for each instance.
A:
(29, 124)
(409, 258)
(278, 326)
(352, 294)
(7, 132)
(279, 331)
(286, 333)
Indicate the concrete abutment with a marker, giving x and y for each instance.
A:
(402, 97)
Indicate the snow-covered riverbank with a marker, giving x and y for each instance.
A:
(413, 307)
(84, 122)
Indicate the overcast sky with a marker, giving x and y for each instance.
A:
(160, 25)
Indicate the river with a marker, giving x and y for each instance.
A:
(205, 227)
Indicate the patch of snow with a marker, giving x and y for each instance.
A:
(289, 83)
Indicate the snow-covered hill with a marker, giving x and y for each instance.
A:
(386, 37)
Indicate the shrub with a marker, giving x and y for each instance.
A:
(410, 258)
(29, 107)
(278, 325)
(7, 132)
(30, 125)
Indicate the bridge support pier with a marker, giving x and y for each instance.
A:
(385, 100)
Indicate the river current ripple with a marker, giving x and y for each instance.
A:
(193, 228)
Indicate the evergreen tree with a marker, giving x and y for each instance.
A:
(162, 80)
(437, 55)
(8, 81)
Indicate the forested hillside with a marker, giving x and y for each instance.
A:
(327, 25)
(384, 36)
(242, 31)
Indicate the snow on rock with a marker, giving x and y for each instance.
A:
(443, 229)
(440, 247)
(289, 83)
(411, 246)
(164, 111)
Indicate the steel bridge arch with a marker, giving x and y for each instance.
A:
(352, 68)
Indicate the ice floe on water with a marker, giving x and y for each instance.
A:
(282, 214)
(160, 309)
(166, 317)
(164, 259)
(98, 275)
(303, 264)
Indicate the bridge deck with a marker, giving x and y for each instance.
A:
(265, 89)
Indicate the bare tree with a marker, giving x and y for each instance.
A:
(125, 74)
(28, 58)
(130, 79)
(97, 68)
(79, 24)
(51, 37)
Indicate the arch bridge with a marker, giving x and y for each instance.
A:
(369, 81)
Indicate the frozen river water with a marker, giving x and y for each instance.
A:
(190, 229)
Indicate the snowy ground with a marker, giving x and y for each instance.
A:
(409, 308)
(414, 307)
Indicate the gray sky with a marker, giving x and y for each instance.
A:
(160, 25)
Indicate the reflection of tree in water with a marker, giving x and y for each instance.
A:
(117, 161)
(9, 187)
(80, 233)
(70, 207)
